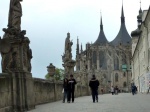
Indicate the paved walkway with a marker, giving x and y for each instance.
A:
(123, 102)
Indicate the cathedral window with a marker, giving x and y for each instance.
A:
(94, 57)
(116, 77)
(102, 60)
(116, 63)
(124, 74)
(124, 84)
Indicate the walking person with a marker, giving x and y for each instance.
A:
(148, 88)
(71, 88)
(112, 90)
(116, 90)
(94, 83)
(133, 89)
(65, 89)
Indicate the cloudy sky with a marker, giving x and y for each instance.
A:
(47, 23)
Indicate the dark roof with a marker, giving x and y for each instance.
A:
(101, 40)
(136, 33)
(123, 37)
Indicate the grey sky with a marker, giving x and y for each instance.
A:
(48, 21)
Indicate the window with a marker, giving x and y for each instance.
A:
(124, 74)
(116, 77)
(94, 57)
(124, 84)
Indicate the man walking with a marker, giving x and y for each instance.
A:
(71, 88)
(148, 87)
(94, 83)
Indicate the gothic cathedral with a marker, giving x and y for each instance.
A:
(109, 61)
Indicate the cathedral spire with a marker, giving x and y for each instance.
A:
(81, 48)
(101, 40)
(77, 50)
(139, 17)
(122, 38)
(101, 24)
(122, 15)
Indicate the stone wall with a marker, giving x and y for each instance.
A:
(5, 93)
(46, 91)
(43, 91)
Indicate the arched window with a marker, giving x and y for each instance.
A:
(124, 84)
(116, 63)
(116, 77)
(102, 60)
(124, 74)
(94, 57)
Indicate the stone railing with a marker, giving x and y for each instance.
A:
(47, 91)
(43, 91)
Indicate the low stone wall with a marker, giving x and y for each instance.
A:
(47, 91)
(5, 93)
(39, 91)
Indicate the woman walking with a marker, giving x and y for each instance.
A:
(65, 89)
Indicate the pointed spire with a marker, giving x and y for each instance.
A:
(77, 50)
(81, 48)
(122, 15)
(123, 35)
(140, 11)
(139, 17)
(101, 24)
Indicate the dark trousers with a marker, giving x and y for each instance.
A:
(71, 95)
(95, 95)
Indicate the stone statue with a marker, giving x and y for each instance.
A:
(15, 14)
(68, 45)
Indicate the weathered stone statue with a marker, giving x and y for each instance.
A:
(67, 57)
(68, 44)
(16, 60)
(15, 14)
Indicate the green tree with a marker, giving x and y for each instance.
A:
(47, 76)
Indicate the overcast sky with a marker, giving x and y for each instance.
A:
(47, 23)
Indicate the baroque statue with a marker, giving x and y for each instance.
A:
(15, 14)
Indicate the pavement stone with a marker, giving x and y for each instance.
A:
(123, 102)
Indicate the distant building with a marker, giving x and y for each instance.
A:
(109, 61)
(141, 51)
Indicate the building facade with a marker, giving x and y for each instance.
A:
(141, 51)
(109, 61)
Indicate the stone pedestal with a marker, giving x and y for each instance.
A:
(16, 57)
(22, 92)
(69, 68)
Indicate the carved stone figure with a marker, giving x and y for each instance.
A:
(15, 14)
(68, 45)
(67, 57)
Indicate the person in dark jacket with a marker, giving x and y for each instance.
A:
(94, 83)
(65, 89)
(71, 87)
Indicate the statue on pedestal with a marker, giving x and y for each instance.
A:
(67, 57)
